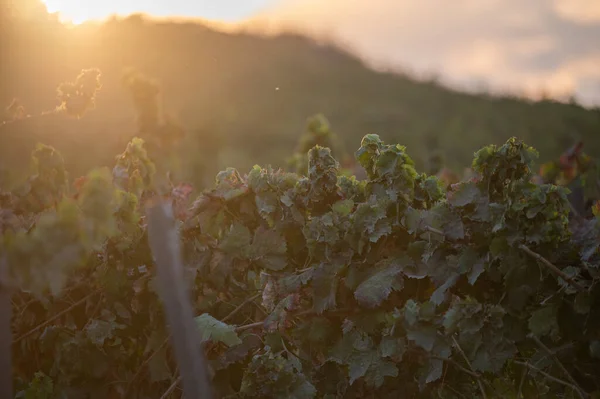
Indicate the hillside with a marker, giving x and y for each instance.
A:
(254, 95)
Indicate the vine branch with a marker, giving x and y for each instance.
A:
(580, 391)
(458, 366)
(434, 230)
(240, 306)
(552, 378)
(551, 267)
(56, 316)
(171, 388)
(481, 388)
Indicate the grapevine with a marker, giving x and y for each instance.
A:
(309, 286)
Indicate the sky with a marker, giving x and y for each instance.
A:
(528, 47)
(78, 11)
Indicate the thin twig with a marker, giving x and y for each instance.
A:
(94, 312)
(552, 378)
(56, 316)
(551, 267)
(458, 366)
(240, 306)
(171, 388)
(455, 391)
(303, 313)
(481, 388)
(575, 212)
(145, 363)
(260, 308)
(434, 230)
(250, 326)
(522, 382)
(558, 362)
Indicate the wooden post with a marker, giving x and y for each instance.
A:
(6, 377)
(185, 336)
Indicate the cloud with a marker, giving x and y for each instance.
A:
(582, 11)
(529, 46)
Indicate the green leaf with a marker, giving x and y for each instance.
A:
(380, 369)
(434, 372)
(544, 321)
(304, 390)
(477, 268)
(359, 364)
(215, 330)
(382, 228)
(582, 303)
(269, 249)
(41, 387)
(466, 193)
(158, 366)
(491, 358)
(424, 336)
(454, 230)
(343, 207)
(498, 246)
(266, 203)
(267, 242)
(294, 282)
(412, 220)
(237, 353)
(433, 188)
(324, 284)
(375, 289)
(595, 349)
(439, 295)
(318, 330)
(122, 311)
(237, 240)
(392, 347)
(98, 331)
(411, 312)
(273, 262)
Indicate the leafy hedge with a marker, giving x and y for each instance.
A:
(319, 286)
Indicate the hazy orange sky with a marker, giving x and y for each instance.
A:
(221, 10)
(512, 45)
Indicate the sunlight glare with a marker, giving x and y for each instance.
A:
(70, 12)
(79, 11)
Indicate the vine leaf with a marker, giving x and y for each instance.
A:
(378, 370)
(465, 194)
(424, 336)
(544, 321)
(158, 366)
(595, 349)
(375, 289)
(582, 303)
(215, 330)
(324, 288)
(359, 364)
(269, 249)
(434, 371)
(237, 240)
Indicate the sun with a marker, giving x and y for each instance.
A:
(77, 11)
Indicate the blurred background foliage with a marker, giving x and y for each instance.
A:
(220, 99)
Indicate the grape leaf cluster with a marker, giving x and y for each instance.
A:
(310, 286)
